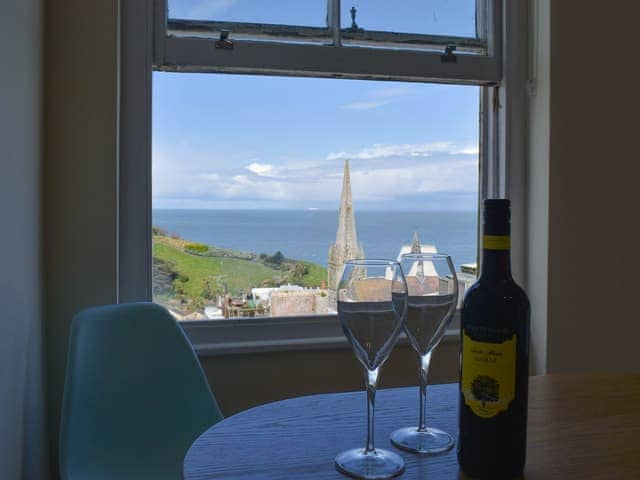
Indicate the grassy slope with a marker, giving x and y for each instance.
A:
(317, 274)
(238, 274)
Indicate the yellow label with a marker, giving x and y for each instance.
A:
(488, 375)
(496, 242)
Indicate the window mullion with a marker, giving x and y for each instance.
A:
(160, 14)
(135, 251)
(481, 19)
(333, 21)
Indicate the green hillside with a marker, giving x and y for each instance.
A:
(188, 275)
(237, 274)
(316, 275)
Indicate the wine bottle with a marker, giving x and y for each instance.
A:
(494, 366)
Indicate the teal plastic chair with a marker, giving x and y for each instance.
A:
(135, 396)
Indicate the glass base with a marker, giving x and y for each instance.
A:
(428, 442)
(378, 464)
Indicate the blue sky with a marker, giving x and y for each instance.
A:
(453, 17)
(239, 141)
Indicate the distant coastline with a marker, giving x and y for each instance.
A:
(307, 234)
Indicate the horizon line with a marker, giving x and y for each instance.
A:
(314, 209)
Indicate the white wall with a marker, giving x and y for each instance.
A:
(80, 174)
(539, 89)
(21, 400)
(594, 195)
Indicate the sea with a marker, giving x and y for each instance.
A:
(308, 234)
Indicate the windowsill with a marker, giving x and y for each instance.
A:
(281, 334)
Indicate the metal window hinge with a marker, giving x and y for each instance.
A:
(448, 56)
(224, 43)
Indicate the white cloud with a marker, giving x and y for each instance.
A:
(399, 150)
(242, 180)
(467, 150)
(367, 105)
(397, 174)
(209, 176)
(261, 169)
(376, 98)
(243, 187)
(389, 184)
(180, 172)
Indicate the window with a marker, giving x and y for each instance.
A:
(250, 188)
(247, 50)
(235, 43)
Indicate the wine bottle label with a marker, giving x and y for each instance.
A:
(488, 375)
(496, 242)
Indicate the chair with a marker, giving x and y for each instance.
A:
(135, 396)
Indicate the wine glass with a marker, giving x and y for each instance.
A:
(432, 298)
(372, 305)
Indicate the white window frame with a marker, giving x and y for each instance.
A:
(179, 46)
(148, 44)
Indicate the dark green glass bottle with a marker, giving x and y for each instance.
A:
(494, 366)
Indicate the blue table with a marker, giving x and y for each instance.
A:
(580, 426)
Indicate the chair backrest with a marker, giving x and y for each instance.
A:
(135, 395)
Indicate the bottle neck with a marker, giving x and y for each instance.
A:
(496, 265)
(496, 256)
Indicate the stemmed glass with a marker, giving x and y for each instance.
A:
(372, 304)
(433, 294)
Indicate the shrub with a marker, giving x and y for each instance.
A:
(198, 304)
(297, 272)
(164, 274)
(210, 289)
(196, 247)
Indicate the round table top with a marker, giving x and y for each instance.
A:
(299, 438)
(579, 427)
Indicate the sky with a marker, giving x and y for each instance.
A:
(453, 17)
(244, 142)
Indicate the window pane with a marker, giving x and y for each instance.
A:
(434, 17)
(285, 12)
(248, 176)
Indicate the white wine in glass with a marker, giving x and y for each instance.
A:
(372, 304)
(432, 298)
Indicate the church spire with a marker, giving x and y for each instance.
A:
(346, 246)
(415, 244)
(346, 234)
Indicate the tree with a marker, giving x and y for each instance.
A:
(277, 258)
(164, 274)
(211, 289)
(297, 273)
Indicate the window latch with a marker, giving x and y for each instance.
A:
(224, 43)
(448, 56)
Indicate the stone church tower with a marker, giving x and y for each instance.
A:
(346, 246)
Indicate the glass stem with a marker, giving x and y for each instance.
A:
(423, 367)
(371, 378)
